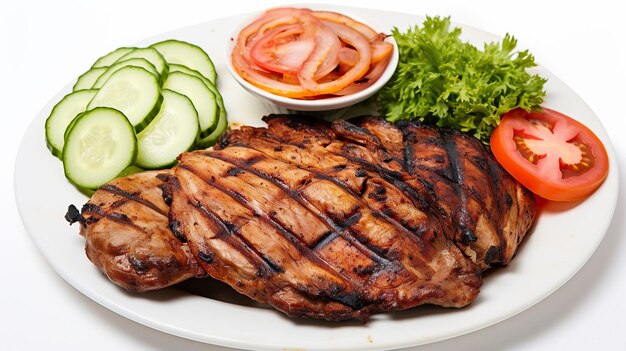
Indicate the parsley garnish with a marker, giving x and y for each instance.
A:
(444, 81)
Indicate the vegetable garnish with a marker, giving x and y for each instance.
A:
(447, 82)
(553, 155)
(166, 93)
(305, 54)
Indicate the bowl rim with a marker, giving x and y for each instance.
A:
(328, 102)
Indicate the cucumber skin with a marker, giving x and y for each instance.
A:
(157, 106)
(130, 170)
(212, 79)
(214, 136)
(205, 138)
(69, 128)
(165, 69)
(55, 152)
(85, 191)
(151, 115)
(96, 84)
(213, 88)
(192, 145)
(209, 92)
(99, 62)
(79, 81)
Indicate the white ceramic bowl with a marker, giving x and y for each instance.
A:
(325, 104)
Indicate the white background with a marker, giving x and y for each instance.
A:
(46, 44)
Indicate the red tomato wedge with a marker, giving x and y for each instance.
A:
(553, 155)
(297, 53)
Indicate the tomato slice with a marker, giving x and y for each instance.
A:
(553, 155)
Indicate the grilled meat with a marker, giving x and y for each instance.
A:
(332, 221)
(128, 238)
(340, 221)
(481, 207)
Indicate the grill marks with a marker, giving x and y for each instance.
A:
(340, 220)
(333, 221)
(228, 233)
(360, 204)
(126, 230)
(132, 197)
(262, 210)
(351, 174)
(330, 221)
(275, 238)
(350, 178)
(350, 239)
(457, 177)
(470, 191)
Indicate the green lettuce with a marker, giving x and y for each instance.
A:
(444, 81)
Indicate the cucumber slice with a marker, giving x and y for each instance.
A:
(125, 173)
(111, 57)
(150, 55)
(132, 90)
(87, 79)
(202, 97)
(213, 137)
(100, 145)
(172, 132)
(192, 56)
(137, 62)
(210, 85)
(69, 127)
(62, 115)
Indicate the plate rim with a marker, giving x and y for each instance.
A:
(165, 327)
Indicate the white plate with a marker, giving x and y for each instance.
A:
(564, 238)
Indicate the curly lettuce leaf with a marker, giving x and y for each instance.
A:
(444, 81)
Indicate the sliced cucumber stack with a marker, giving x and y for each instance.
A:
(150, 55)
(136, 62)
(172, 132)
(100, 145)
(87, 79)
(192, 56)
(62, 115)
(214, 90)
(211, 139)
(135, 109)
(111, 57)
(200, 95)
(133, 91)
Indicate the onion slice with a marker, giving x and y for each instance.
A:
(278, 51)
(377, 70)
(304, 54)
(364, 29)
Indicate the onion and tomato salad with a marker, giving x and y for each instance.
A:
(306, 54)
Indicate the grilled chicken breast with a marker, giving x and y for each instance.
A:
(480, 206)
(337, 222)
(332, 221)
(127, 234)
